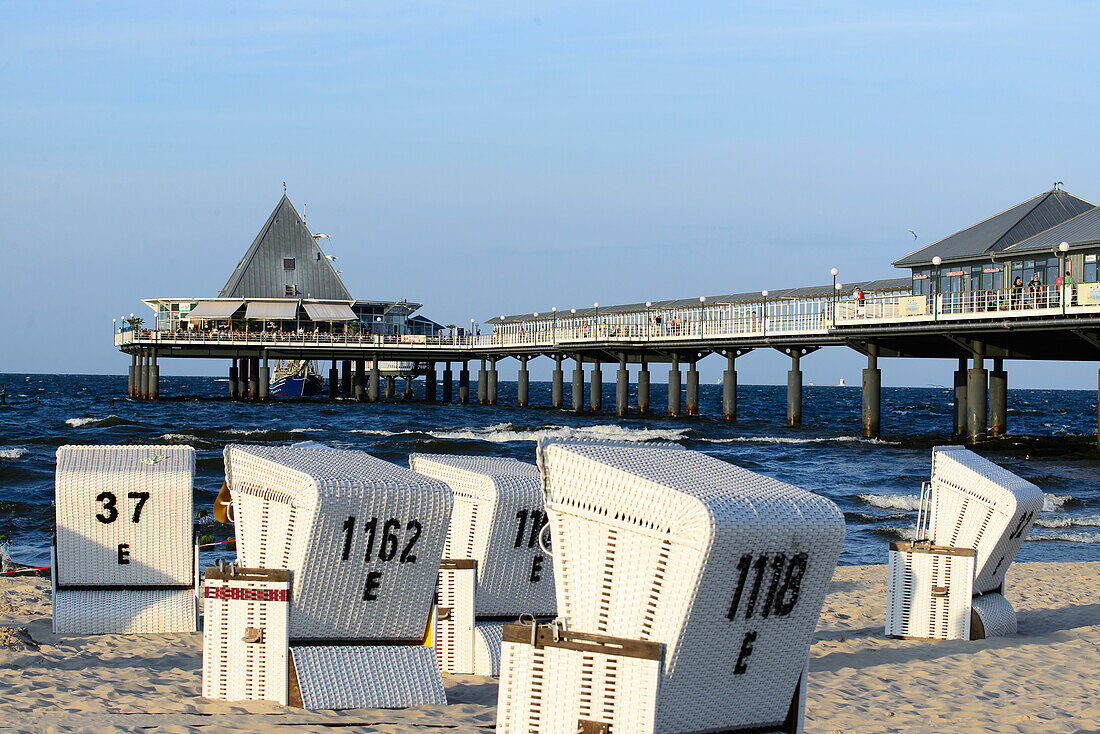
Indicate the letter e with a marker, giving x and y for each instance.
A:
(536, 569)
(746, 651)
(123, 553)
(370, 591)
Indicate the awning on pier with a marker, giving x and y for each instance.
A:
(330, 311)
(214, 309)
(279, 310)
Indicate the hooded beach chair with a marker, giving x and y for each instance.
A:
(362, 539)
(688, 592)
(973, 517)
(494, 567)
(124, 557)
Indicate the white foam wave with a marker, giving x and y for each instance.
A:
(179, 437)
(78, 422)
(369, 432)
(1053, 502)
(891, 501)
(257, 431)
(12, 453)
(504, 432)
(1067, 537)
(789, 440)
(1069, 521)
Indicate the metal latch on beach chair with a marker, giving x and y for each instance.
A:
(253, 634)
(941, 590)
(584, 726)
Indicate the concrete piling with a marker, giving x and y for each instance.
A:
(872, 395)
(374, 387)
(998, 399)
(674, 388)
(794, 390)
(622, 387)
(242, 381)
(578, 385)
(448, 385)
(464, 384)
(145, 370)
(522, 383)
(692, 389)
(595, 390)
(491, 387)
(408, 387)
(976, 386)
(959, 427)
(333, 381)
(482, 385)
(643, 388)
(254, 378)
(233, 378)
(358, 384)
(265, 379)
(729, 388)
(430, 383)
(391, 386)
(557, 386)
(345, 382)
(131, 385)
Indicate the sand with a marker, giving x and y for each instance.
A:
(1044, 679)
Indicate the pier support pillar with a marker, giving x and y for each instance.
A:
(345, 382)
(333, 381)
(242, 379)
(959, 428)
(622, 387)
(130, 383)
(233, 378)
(491, 387)
(430, 383)
(409, 386)
(643, 388)
(464, 384)
(674, 388)
(374, 388)
(143, 376)
(595, 390)
(794, 390)
(872, 395)
(254, 378)
(557, 386)
(578, 385)
(976, 398)
(482, 385)
(265, 379)
(692, 389)
(448, 385)
(522, 382)
(360, 379)
(998, 399)
(729, 388)
(391, 386)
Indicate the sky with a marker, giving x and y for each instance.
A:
(505, 157)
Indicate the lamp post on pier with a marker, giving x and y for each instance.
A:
(554, 336)
(702, 304)
(1063, 248)
(764, 314)
(535, 326)
(596, 321)
(937, 261)
(836, 291)
(471, 331)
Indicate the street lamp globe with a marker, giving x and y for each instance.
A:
(648, 304)
(1063, 247)
(764, 293)
(937, 261)
(572, 310)
(596, 304)
(702, 299)
(536, 314)
(838, 286)
(834, 272)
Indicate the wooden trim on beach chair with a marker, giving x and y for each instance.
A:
(542, 636)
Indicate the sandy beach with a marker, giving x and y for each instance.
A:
(1044, 679)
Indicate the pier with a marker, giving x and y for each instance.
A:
(962, 302)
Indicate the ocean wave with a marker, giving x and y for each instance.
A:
(892, 532)
(262, 431)
(1055, 502)
(12, 453)
(505, 432)
(891, 501)
(867, 517)
(372, 432)
(1065, 537)
(789, 440)
(1069, 521)
(111, 420)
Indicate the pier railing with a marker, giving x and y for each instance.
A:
(703, 323)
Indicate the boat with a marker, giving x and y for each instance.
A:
(295, 379)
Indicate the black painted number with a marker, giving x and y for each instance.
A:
(784, 584)
(109, 512)
(538, 521)
(407, 556)
(1022, 525)
(142, 498)
(391, 539)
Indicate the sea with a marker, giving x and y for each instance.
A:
(875, 483)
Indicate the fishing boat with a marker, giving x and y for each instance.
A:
(295, 379)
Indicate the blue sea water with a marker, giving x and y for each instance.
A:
(1052, 442)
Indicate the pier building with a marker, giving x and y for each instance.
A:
(958, 302)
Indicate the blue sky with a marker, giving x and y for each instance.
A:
(502, 157)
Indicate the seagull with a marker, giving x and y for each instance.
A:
(333, 258)
(321, 236)
(912, 233)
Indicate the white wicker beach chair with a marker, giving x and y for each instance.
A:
(246, 626)
(494, 568)
(124, 557)
(949, 585)
(724, 569)
(362, 539)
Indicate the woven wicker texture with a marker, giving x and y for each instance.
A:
(363, 537)
(125, 611)
(980, 505)
(128, 503)
(997, 615)
(454, 638)
(368, 676)
(928, 595)
(236, 670)
(726, 567)
(498, 511)
(487, 644)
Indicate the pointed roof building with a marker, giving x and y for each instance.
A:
(1002, 231)
(285, 261)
